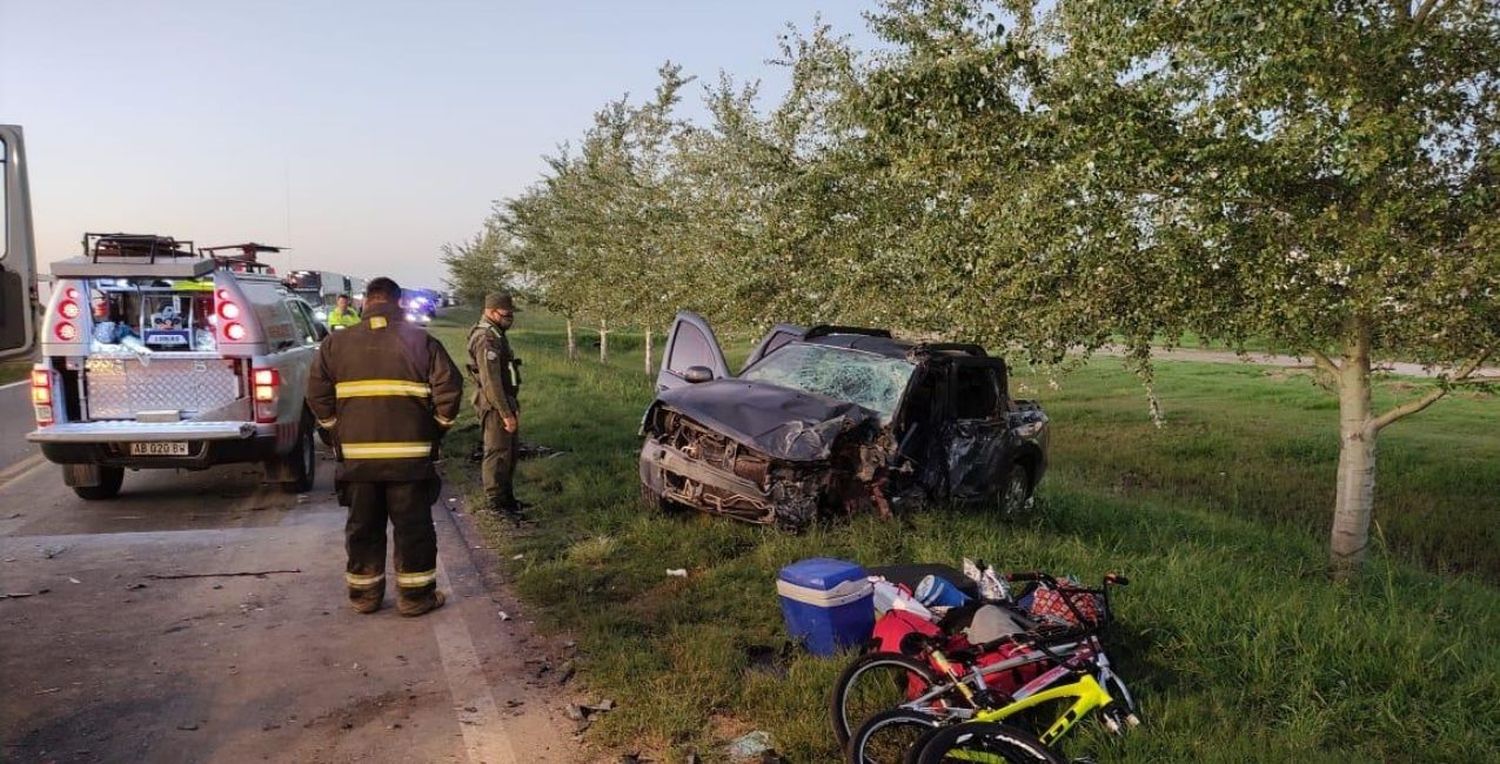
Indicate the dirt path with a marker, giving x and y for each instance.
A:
(111, 659)
(1265, 359)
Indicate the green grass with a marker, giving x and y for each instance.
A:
(12, 371)
(1239, 648)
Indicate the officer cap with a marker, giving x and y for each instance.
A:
(500, 301)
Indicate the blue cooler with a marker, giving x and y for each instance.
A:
(828, 604)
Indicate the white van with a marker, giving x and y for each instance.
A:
(155, 356)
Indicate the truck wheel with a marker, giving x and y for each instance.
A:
(110, 480)
(299, 467)
(1015, 495)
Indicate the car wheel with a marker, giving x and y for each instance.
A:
(299, 467)
(1015, 495)
(110, 480)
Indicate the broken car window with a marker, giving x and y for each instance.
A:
(870, 380)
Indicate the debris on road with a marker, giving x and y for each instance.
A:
(73, 580)
(52, 551)
(188, 727)
(256, 573)
(47, 691)
(19, 595)
(677, 572)
(750, 746)
(134, 586)
(504, 616)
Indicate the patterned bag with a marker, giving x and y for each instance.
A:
(1047, 604)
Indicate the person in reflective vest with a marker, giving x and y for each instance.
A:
(343, 314)
(388, 392)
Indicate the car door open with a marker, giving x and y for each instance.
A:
(977, 434)
(691, 344)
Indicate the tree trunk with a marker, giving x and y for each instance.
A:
(1354, 501)
(572, 343)
(649, 365)
(603, 342)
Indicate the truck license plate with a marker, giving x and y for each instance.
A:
(159, 449)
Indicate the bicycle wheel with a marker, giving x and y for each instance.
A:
(887, 737)
(875, 682)
(988, 742)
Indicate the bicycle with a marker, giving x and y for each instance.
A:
(946, 695)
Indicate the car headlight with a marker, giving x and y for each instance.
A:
(426, 318)
(410, 317)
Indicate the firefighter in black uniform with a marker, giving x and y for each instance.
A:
(497, 375)
(388, 392)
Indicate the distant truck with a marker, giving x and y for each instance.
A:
(156, 356)
(18, 283)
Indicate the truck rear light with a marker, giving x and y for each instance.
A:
(41, 396)
(265, 388)
(229, 311)
(66, 331)
(235, 331)
(69, 309)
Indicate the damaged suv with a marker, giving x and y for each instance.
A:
(835, 420)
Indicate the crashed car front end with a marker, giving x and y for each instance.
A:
(785, 462)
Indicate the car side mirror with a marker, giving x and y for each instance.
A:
(320, 332)
(696, 374)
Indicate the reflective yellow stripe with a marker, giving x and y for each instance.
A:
(402, 450)
(442, 420)
(416, 579)
(357, 581)
(327, 423)
(367, 388)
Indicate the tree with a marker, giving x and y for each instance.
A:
(478, 266)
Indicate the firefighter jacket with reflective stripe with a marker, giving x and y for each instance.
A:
(388, 391)
(495, 369)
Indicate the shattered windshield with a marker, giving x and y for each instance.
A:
(870, 380)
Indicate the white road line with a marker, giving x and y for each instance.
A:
(17, 383)
(483, 728)
(21, 469)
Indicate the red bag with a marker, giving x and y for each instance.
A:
(1047, 604)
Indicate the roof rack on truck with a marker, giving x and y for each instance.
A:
(124, 255)
(248, 261)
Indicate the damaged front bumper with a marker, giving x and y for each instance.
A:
(685, 463)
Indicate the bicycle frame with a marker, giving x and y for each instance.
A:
(1088, 696)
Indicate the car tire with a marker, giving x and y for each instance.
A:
(1015, 493)
(301, 465)
(110, 480)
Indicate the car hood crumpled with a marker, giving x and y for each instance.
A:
(782, 423)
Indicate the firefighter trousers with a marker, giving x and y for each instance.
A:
(498, 469)
(407, 506)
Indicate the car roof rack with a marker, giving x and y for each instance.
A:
(126, 255)
(823, 330)
(248, 261)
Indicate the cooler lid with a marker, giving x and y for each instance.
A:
(821, 573)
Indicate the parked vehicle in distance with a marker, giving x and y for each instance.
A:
(320, 288)
(154, 356)
(421, 305)
(836, 420)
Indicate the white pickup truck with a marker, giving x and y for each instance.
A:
(156, 356)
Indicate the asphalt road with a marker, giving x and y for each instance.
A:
(16, 419)
(132, 645)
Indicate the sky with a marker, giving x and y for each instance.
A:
(362, 135)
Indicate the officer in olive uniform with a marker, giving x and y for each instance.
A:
(497, 373)
(388, 392)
